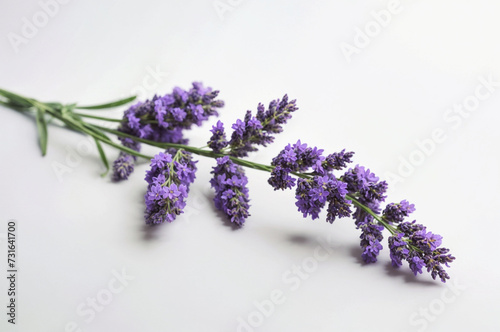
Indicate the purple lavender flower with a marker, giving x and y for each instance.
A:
(123, 166)
(337, 160)
(421, 249)
(416, 263)
(313, 194)
(168, 181)
(301, 158)
(365, 185)
(338, 205)
(370, 230)
(239, 128)
(306, 202)
(398, 249)
(260, 130)
(396, 212)
(163, 118)
(371, 235)
(426, 241)
(231, 193)
(218, 140)
(294, 158)
(281, 179)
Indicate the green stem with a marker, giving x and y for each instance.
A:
(107, 105)
(248, 164)
(365, 208)
(84, 127)
(192, 149)
(97, 117)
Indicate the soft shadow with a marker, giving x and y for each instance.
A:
(408, 276)
(149, 232)
(403, 272)
(301, 239)
(355, 252)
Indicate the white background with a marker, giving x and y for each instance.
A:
(76, 230)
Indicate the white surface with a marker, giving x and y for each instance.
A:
(198, 274)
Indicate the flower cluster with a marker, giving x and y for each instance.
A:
(168, 181)
(218, 140)
(231, 192)
(365, 185)
(396, 212)
(253, 130)
(312, 193)
(229, 180)
(123, 166)
(163, 119)
(421, 249)
(300, 158)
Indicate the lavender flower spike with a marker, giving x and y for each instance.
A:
(364, 184)
(260, 129)
(396, 212)
(164, 118)
(123, 166)
(231, 193)
(168, 180)
(312, 194)
(218, 140)
(421, 249)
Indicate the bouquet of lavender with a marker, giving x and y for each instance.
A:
(315, 175)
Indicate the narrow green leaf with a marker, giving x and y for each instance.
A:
(15, 107)
(42, 130)
(55, 106)
(97, 117)
(103, 156)
(15, 99)
(109, 105)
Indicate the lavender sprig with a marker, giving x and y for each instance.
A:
(172, 171)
